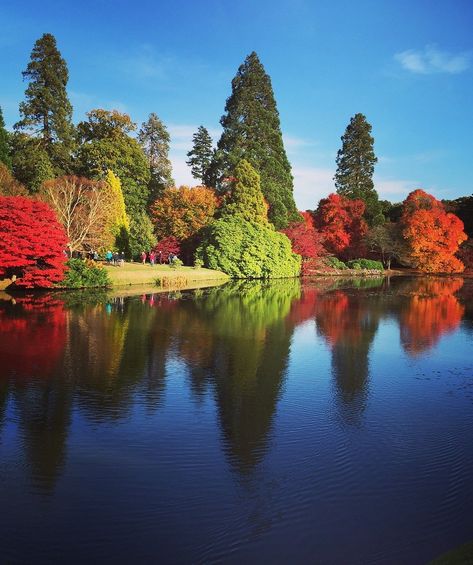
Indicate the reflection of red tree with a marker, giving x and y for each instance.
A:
(33, 336)
(337, 320)
(433, 311)
(303, 309)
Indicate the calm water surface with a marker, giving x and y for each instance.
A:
(328, 422)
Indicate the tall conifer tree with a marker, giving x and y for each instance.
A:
(4, 146)
(201, 154)
(154, 138)
(252, 131)
(355, 167)
(47, 113)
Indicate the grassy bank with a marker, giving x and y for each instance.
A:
(181, 277)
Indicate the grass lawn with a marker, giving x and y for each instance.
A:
(182, 277)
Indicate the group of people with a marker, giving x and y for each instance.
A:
(155, 257)
(117, 259)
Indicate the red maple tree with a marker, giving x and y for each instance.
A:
(167, 246)
(341, 224)
(305, 239)
(32, 243)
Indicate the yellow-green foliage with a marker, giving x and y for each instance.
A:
(119, 218)
(246, 199)
(247, 250)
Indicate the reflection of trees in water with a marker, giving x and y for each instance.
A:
(33, 336)
(235, 341)
(349, 322)
(430, 311)
(250, 354)
(31, 350)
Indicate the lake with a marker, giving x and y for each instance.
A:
(323, 422)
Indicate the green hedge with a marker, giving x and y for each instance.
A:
(85, 274)
(335, 263)
(247, 250)
(370, 264)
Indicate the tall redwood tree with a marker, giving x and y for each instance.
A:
(32, 243)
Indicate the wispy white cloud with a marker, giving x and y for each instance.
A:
(394, 189)
(311, 184)
(293, 143)
(432, 60)
(180, 171)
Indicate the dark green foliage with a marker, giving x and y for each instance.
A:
(251, 131)
(154, 139)
(246, 199)
(370, 264)
(463, 208)
(245, 249)
(355, 167)
(105, 146)
(391, 212)
(31, 163)
(387, 241)
(201, 155)
(85, 274)
(4, 145)
(46, 114)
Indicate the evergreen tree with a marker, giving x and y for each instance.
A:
(246, 199)
(4, 146)
(355, 167)
(201, 154)
(251, 131)
(154, 138)
(47, 113)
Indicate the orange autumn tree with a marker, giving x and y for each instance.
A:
(341, 225)
(182, 212)
(433, 235)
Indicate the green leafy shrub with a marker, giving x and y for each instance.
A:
(198, 263)
(244, 249)
(85, 274)
(175, 263)
(369, 264)
(335, 263)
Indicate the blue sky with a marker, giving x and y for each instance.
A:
(407, 65)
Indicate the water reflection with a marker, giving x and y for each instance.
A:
(103, 356)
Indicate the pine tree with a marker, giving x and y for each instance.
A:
(355, 167)
(46, 112)
(251, 131)
(4, 147)
(246, 199)
(154, 138)
(201, 154)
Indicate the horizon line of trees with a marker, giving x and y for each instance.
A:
(111, 185)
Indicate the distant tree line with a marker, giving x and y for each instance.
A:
(110, 186)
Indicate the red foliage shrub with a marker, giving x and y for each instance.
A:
(305, 239)
(32, 242)
(166, 246)
(341, 225)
